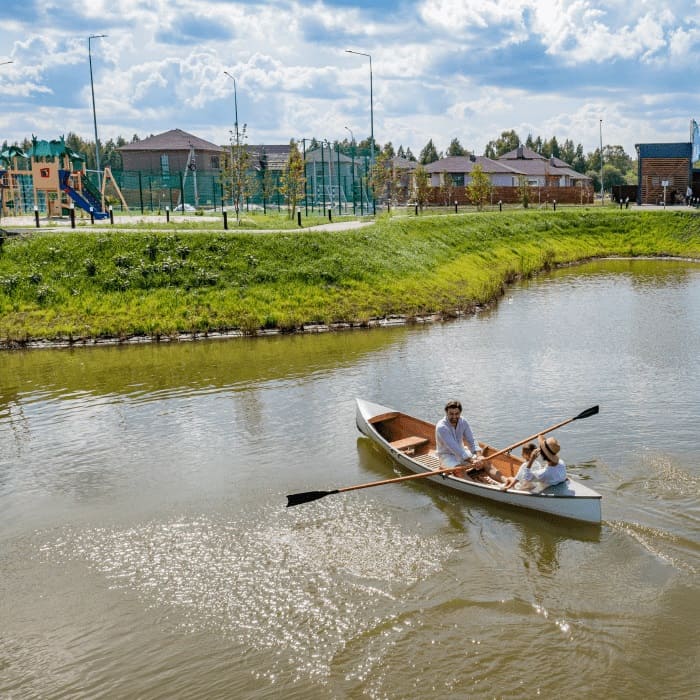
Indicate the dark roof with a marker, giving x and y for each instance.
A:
(277, 154)
(530, 162)
(173, 140)
(399, 163)
(315, 155)
(465, 164)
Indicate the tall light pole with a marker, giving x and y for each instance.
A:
(371, 103)
(94, 115)
(371, 114)
(602, 189)
(238, 142)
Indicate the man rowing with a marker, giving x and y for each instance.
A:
(456, 445)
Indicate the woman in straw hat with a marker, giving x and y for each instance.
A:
(533, 476)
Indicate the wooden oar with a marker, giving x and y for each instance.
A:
(296, 499)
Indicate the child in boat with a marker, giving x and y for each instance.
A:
(533, 476)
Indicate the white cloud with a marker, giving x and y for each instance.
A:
(441, 69)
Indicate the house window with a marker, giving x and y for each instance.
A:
(458, 179)
(164, 165)
(215, 162)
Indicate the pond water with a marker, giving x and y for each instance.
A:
(146, 551)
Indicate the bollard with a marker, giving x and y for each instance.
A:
(500, 205)
(330, 215)
(92, 215)
(416, 210)
(554, 204)
(72, 215)
(36, 216)
(456, 207)
(111, 215)
(627, 203)
(167, 215)
(299, 218)
(225, 221)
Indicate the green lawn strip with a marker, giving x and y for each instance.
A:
(84, 285)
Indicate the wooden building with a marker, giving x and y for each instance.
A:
(663, 170)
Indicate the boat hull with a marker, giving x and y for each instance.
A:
(386, 428)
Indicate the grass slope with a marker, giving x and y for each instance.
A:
(87, 285)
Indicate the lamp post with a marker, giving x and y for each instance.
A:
(371, 111)
(238, 144)
(94, 114)
(602, 189)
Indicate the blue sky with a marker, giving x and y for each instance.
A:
(441, 69)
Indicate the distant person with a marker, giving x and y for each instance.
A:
(689, 195)
(456, 445)
(535, 476)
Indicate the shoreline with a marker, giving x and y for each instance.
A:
(310, 328)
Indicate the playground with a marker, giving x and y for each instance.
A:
(52, 179)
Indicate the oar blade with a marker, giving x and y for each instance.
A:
(296, 499)
(588, 412)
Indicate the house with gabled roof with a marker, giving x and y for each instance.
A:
(459, 169)
(541, 171)
(171, 152)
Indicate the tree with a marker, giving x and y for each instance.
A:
(447, 187)
(293, 181)
(508, 141)
(381, 177)
(400, 153)
(524, 191)
(429, 154)
(479, 188)
(409, 154)
(388, 150)
(420, 189)
(455, 148)
(234, 174)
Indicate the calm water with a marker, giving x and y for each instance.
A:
(145, 550)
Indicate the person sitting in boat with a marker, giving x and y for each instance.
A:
(456, 445)
(533, 476)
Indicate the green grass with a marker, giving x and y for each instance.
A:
(86, 285)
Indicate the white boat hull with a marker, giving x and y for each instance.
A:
(570, 499)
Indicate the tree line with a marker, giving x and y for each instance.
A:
(618, 167)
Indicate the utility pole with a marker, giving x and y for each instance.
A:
(602, 189)
(94, 114)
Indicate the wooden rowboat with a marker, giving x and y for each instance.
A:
(411, 442)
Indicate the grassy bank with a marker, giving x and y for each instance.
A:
(86, 285)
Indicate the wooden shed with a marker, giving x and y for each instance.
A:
(664, 170)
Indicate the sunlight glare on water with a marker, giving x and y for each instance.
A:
(299, 585)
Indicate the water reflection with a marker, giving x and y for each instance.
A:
(142, 499)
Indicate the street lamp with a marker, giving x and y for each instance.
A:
(371, 115)
(602, 190)
(238, 142)
(94, 116)
(371, 103)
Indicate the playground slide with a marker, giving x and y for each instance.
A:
(85, 200)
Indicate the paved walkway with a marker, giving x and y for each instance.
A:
(159, 223)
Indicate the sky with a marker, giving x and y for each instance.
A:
(441, 69)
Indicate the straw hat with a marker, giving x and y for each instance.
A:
(549, 447)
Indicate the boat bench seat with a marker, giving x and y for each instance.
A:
(409, 444)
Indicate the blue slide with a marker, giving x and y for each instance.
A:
(87, 200)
